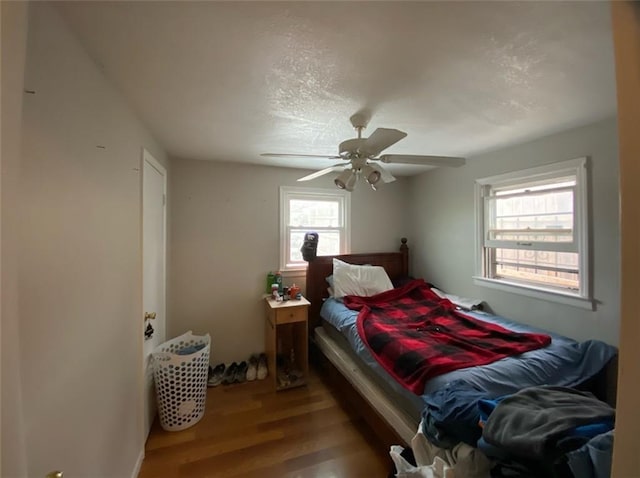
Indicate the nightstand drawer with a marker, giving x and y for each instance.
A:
(291, 314)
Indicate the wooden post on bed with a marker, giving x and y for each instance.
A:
(404, 250)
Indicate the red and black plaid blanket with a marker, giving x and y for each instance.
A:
(416, 335)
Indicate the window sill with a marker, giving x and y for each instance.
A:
(536, 292)
(294, 273)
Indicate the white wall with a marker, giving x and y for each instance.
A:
(14, 42)
(80, 300)
(225, 238)
(443, 230)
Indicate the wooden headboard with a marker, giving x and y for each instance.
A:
(395, 263)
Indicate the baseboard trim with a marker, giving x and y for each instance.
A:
(136, 470)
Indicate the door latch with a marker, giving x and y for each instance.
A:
(149, 315)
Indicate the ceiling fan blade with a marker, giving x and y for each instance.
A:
(286, 155)
(381, 139)
(322, 172)
(385, 175)
(422, 160)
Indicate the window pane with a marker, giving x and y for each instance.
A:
(312, 213)
(532, 224)
(544, 217)
(558, 269)
(328, 244)
(536, 187)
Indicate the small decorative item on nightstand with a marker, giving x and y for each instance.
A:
(294, 292)
(271, 278)
(278, 280)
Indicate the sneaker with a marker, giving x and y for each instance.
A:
(230, 374)
(215, 375)
(252, 369)
(241, 372)
(262, 367)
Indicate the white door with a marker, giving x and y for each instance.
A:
(154, 187)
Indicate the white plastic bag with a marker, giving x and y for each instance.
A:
(439, 468)
(468, 462)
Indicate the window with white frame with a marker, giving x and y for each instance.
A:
(533, 229)
(302, 210)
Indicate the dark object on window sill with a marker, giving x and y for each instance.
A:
(309, 246)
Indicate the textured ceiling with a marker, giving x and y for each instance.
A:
(229, 80)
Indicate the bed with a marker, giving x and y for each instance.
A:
(393, 411)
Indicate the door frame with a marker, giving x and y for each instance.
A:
(148, 158)
(626, 39)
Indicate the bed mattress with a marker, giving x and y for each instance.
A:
(449, 401)
(565, 362)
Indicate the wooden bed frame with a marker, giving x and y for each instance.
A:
(396, 265)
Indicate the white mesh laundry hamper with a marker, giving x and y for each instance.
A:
(181, 381)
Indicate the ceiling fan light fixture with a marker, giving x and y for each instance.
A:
(351, 182)
(371, 175)
(343, 179)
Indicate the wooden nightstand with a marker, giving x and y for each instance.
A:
(286, 342)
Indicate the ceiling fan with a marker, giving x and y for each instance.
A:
(364, 160)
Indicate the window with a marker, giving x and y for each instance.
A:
(533, 230)
(324, 211)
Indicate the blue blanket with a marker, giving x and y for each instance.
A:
(593, 460)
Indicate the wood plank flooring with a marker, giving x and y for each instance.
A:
(249, 430)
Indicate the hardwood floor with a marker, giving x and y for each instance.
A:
(249, 430)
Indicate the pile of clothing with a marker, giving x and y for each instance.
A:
(533, 433)
(538, 432)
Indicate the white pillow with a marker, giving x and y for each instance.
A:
(349, 279)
